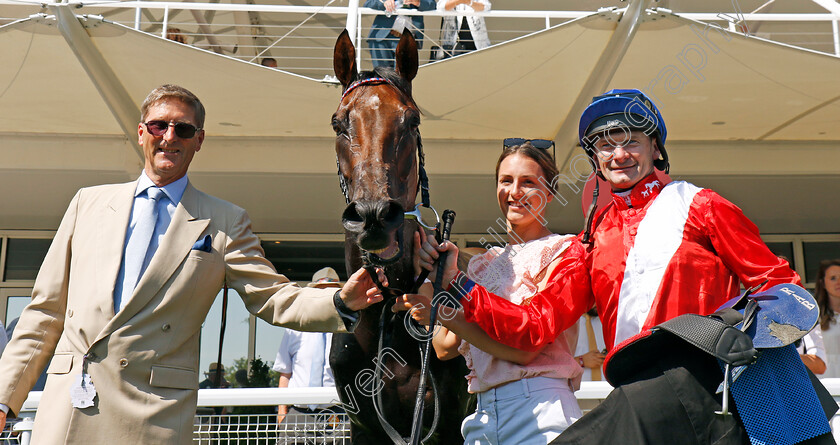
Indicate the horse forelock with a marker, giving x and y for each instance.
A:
(393, 78)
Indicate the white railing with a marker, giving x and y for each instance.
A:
(263, 428)
(304, 46)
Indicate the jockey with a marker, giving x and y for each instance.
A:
(658, 250)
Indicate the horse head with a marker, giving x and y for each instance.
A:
(378, 148)
(380, 164)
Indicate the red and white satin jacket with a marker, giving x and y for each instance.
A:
(662, 251)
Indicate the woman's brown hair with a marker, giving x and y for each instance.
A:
(820, 293)
(542, 157)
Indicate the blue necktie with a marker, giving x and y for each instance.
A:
(138, 243)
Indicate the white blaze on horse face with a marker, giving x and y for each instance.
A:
(373, 102)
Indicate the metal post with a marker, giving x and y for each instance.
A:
(834, 25)
(110, 87)
(359, 41)
(24, 427)
(547, 22)
(165, 21)
(352, 17)
(602, 73)
(137, 18)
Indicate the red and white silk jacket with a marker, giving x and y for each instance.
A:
(663, 250)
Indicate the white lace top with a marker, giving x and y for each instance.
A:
(514, 273)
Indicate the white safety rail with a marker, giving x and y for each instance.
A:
(301, 38)
(325, 428)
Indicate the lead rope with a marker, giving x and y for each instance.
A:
(222, 337)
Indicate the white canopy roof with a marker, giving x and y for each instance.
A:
(743, 114)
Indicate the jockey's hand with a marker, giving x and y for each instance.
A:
(427, 251)
(390, 5)
(360, 291)
(418, 307)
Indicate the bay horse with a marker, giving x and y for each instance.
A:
(380, 163)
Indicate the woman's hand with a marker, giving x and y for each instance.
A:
(427, 251)
(418, 307)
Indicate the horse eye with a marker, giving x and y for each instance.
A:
(414, 122)
(338, 127)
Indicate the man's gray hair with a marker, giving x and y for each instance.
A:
(169, 91)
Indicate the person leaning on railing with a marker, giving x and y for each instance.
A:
(384, 35)
(462, 33)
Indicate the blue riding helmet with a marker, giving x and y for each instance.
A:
(629, 109)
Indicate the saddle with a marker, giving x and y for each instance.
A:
(752, 338)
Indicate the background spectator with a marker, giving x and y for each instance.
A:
(176, 35)
(303, 360)
(463, 33)
(383, 38)
(590, 346)
(827, 293)
(212, 377)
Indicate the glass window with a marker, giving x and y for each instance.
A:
(299, 260)
(24, 258)
(15, 305)
(784, 249)
(235, 347)
(816, 252)
(267, 341)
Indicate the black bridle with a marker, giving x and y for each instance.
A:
(423, 184)
(390, 293)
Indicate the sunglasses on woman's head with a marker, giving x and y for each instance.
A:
(182, 129)
(542, 144)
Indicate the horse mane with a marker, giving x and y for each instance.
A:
(389, 74)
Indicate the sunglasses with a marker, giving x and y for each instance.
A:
(182, 129)
(542, 144)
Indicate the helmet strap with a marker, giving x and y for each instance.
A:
(587, 230)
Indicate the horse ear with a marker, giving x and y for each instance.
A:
(407, 59)
(344, 59)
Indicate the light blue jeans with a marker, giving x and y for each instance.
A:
(525, 412)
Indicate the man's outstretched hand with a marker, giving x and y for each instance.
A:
(360, 291)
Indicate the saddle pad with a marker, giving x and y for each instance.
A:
(777, 401)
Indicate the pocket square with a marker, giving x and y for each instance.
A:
(204, 244)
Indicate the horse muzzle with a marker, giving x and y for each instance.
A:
(375, 225)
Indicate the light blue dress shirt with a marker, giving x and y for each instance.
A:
(169, 202)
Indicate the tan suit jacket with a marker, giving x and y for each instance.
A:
(143, 360)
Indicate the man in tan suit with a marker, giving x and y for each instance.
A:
(131, 351)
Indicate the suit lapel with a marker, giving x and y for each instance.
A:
(184, 229)
(115, 218)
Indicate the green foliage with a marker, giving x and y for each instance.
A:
(265, 377)
(258, 377)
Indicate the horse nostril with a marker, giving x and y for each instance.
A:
(351, 219)
(392, 214)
